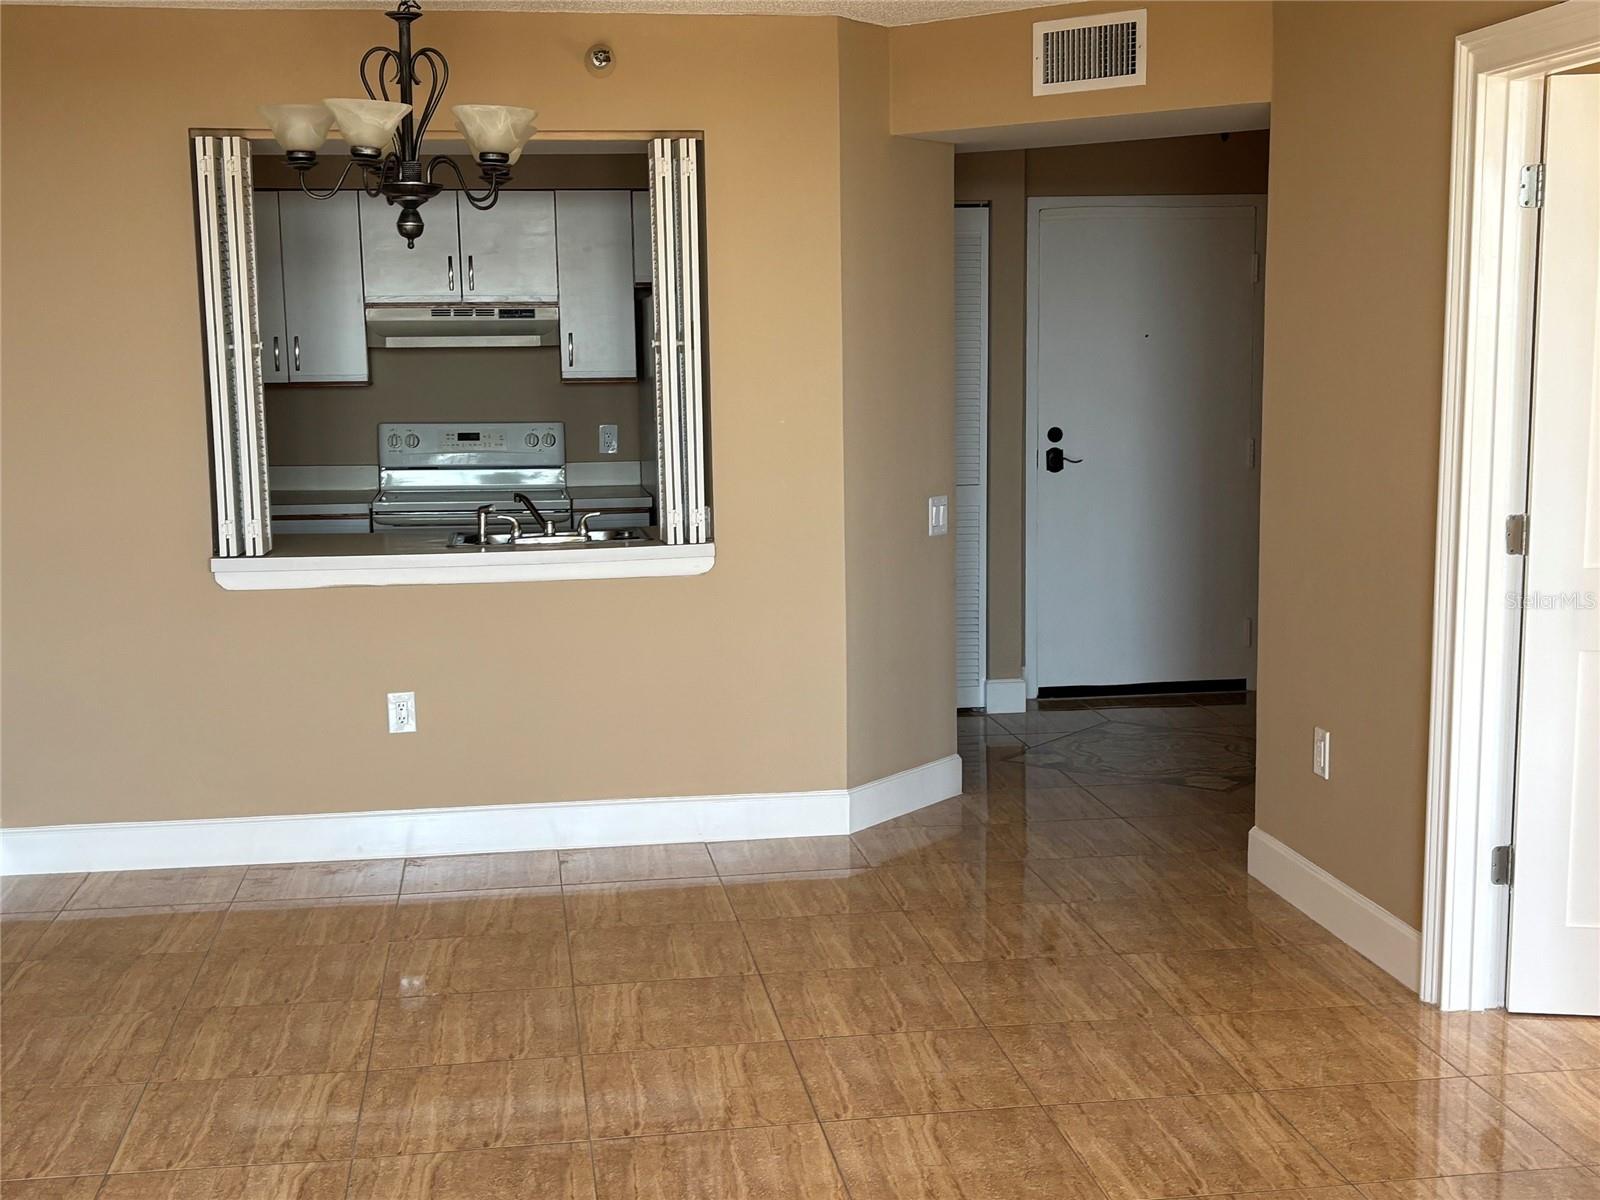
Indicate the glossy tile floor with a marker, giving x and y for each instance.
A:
(1060, 984)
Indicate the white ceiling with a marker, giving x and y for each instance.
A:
(876, 12)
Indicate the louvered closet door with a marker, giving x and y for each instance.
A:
(972, 407)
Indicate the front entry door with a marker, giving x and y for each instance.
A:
(1554, 964)
(1145, 356)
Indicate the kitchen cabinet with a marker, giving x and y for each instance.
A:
(594, 257)
(324, 315)
(271, 323)
(642, 272)
(429, 271)
(508, 252)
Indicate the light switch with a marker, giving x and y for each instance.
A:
(938, 516)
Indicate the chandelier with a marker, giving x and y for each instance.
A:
(385, 132)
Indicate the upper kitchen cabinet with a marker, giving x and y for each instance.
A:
(429, 271)
(270, 319)
(324, 318)
(508, 252)
(594, 256)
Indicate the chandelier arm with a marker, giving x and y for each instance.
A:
(438, 80)
(383, 54)
(479, 200)
(334, 190)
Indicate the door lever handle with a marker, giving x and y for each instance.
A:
(1055, 458)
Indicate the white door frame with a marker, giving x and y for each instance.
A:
(1499, 108)
(1030, 626)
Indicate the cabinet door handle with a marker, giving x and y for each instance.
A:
(569, 349)
(297, 352)
(472, 278)
(275, 356)
(450, 271)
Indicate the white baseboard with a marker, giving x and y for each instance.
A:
(1373, 931)
(403, 833)
(1006, 696)
(907, 791)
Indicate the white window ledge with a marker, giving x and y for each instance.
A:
(385, 560)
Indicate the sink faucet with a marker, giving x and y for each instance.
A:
(486, 513)
(549, 525)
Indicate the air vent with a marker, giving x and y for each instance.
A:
(1083, 53)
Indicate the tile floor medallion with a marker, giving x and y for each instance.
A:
(1060, 985)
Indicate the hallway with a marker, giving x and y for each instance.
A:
(1059, 984)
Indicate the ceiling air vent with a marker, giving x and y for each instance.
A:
(1076, 55)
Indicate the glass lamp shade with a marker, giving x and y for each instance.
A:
(494, 128)
(368, 123)
(298, 126)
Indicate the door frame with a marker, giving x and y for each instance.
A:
(1488, 347)
(1030, 539)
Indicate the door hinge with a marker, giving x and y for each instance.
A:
(1530, 193)
(1517, 534)
(1502, 861)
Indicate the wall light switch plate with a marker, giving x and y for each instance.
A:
(608, 439)
(1320, 748)
(938, 516)
(402, 712)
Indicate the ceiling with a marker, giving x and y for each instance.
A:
(875, 12)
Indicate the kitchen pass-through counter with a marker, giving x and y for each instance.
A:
(425, 557)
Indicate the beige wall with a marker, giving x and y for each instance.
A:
(137, 689)
(1354, 343)
(1004, 179)
(897, 239)
(962, 78)
(321, 425)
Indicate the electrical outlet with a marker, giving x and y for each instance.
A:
(1320, 739)
(402, 712)
(608, 439)
(938, 516)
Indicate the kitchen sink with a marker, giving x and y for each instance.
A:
(532, 541)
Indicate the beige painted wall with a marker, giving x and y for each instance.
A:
(137, 689)
(1004, 179)
(898, 314)
(1354, 343)
(964, 77)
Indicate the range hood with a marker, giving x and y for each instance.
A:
(436, 326)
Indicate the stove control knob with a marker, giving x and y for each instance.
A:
(549, 439)
(412, 441)
(532, 439)
(394, 441)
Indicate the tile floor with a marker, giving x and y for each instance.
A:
(1060, 984)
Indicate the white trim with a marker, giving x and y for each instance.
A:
(1498, 109)
(904, 792)
(601, 561)
(1030, 536)
(1372, 931)
(327, 837)
(1006, 696)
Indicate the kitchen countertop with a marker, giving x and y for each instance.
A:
(296, 502)
(425, 557)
